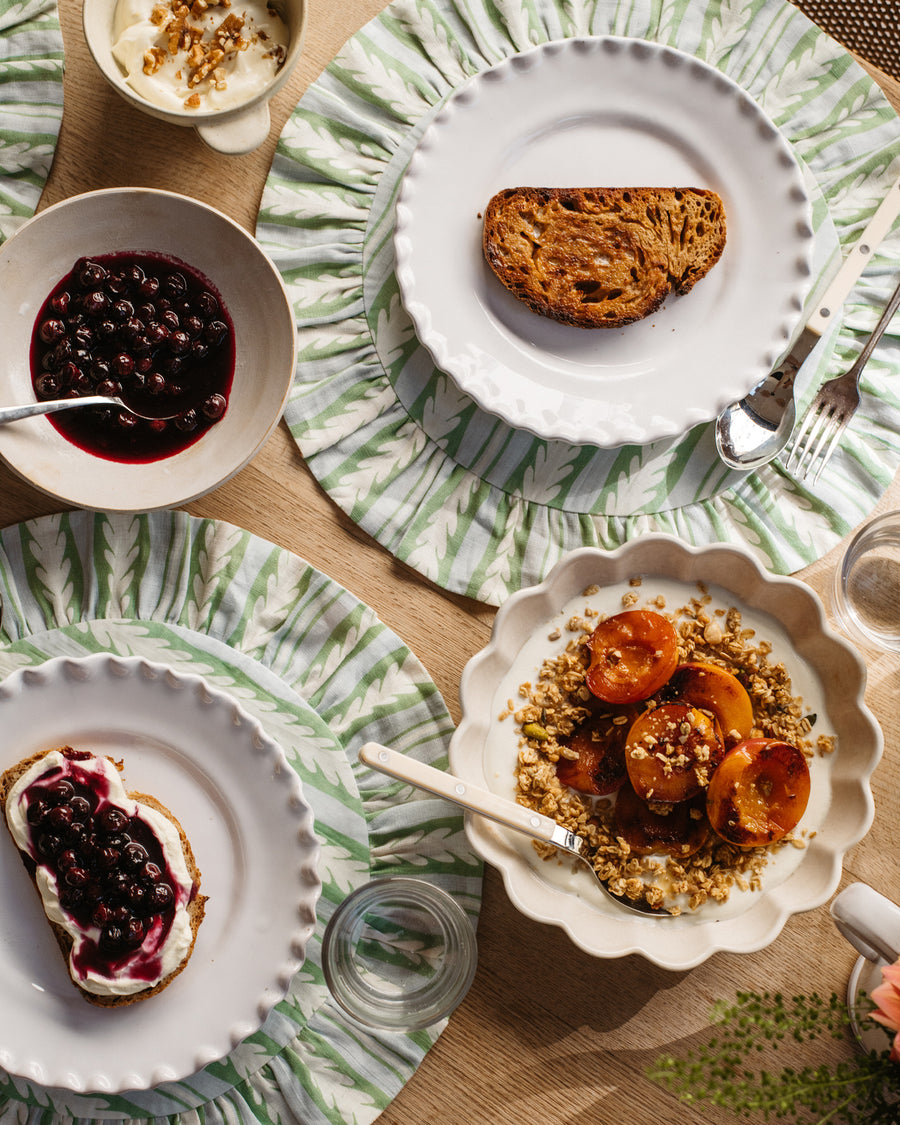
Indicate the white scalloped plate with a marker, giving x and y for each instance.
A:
(252, 833)
(824, 670)
(604, 112)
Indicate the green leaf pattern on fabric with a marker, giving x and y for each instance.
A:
(31, 95)
(322, 674)
(477, 507)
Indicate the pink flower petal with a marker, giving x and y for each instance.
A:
(885, 1020)
(892, 973)
(888, 1006)
(887, 997)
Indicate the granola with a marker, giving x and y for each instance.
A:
(555, 703)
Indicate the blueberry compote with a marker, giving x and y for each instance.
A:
(147, 328)
(110, 870)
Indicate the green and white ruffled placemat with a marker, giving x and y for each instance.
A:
(31, 102)
(323, 675)
(476, 506)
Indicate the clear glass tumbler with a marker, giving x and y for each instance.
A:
(866, 590)
(399, 953)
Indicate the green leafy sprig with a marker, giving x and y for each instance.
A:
(728, 1071)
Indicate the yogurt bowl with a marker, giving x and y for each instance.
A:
(224, 90)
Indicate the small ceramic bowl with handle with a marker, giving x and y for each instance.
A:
(224, 87)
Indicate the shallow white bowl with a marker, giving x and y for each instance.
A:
(825, 671)
(46, 248)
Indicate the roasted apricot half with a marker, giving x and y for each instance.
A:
(633, 654)
(759, 792)
(600, 744)
(677, 830)
(671, 752)
(714, 689)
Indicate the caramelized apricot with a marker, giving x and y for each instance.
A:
(632, 656)
(600, 743)
(714, 689)
(671, 752)
(759, 792)
(677, 830)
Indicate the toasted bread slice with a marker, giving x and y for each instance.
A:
(194, 906)
(602, 257)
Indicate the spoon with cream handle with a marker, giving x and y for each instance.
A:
(753, 430)
(485, 803)
(52, 406)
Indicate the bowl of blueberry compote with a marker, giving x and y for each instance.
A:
(143, 327)
(166, 304)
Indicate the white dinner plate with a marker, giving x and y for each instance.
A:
(826, 673)
(251, 830)
(604, 112)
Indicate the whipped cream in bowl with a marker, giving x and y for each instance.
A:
(210, 64)
(212, 55)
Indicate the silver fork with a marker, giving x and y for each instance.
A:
(833, 407)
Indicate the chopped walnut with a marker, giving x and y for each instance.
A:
(153, 60)
(204, 58)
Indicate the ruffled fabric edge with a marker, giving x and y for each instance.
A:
(333, 651)
(378, 464)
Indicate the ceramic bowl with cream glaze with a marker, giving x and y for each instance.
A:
(117, 221)
(234, 130)
(826, 673)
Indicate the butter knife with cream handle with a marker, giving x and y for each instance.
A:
(753, 430)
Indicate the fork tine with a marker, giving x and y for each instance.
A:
(825, 431)
(832, 445)
(805, 435)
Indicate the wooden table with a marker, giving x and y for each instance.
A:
(547, 1034)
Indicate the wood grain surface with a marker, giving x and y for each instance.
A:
(547, 1035)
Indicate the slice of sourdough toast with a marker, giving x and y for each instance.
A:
(602, 257)
(98, 855)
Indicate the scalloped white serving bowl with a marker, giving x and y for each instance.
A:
(252, 833)
(825, 671)
(45, 249)
(604, 112)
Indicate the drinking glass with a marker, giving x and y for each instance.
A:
(399, 953)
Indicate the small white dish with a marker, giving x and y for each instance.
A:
(232, 132)
(825, 671)
(44, 250)
(252, 833)
(604, 112)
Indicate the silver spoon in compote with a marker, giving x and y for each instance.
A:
(485, 803)
(52, 406)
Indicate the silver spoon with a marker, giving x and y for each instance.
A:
(52, 406)
(753, 430)
(488, 804)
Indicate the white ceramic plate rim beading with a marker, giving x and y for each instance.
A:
(45, 249)
(252, 833)
(604, 111)
(823, 668)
